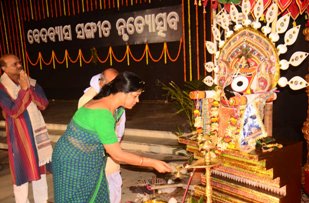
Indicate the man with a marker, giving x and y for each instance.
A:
(29, 147)
(96, 83)
(112, 168)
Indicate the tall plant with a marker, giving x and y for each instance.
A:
(180, 97)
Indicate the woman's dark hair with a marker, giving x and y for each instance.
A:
(124, 82)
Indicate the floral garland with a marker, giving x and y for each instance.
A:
(128, 54)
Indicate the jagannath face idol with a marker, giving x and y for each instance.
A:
(246, 70)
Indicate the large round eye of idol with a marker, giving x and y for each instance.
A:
(240, 83)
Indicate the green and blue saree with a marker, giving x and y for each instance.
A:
(79, 159)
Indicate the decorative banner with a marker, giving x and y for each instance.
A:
(284, 4)
(302, 5)
(102, 29)
(293, 10)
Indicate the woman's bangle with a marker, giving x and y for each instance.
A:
(141, 161)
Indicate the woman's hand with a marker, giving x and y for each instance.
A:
(115, 151)
(161, 166)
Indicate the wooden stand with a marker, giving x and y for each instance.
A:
(272, 177)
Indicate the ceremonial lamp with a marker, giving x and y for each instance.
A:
(206, 143)
(205, 146)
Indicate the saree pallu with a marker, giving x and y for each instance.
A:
(78, 165)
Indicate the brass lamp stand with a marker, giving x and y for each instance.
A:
(207, 163)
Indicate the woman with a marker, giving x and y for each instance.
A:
(79, 156)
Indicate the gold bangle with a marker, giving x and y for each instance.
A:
(141, 161)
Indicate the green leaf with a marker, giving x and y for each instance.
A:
(229, 1)
(180, 97)
(201, 200)
(235, 1)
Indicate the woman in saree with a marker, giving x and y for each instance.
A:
(79, 156)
